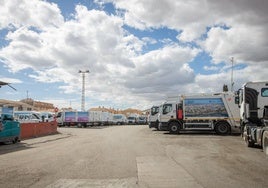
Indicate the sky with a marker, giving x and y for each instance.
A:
(138, 52)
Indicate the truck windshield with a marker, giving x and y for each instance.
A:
(117, 117)
(154, 110)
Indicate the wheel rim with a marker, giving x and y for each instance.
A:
(223, 128)
(174, 128)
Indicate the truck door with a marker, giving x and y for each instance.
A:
(168, 112)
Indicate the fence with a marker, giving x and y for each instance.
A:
(32, 130)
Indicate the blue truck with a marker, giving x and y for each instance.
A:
(9, 129)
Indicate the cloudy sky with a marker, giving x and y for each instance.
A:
(138, 52)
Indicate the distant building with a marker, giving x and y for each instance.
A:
(40, 106)
(114, 111)
(18, 106)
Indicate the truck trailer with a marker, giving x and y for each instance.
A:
(217, 112)
(253, 103)
(73, 118)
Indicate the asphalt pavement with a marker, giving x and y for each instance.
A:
(132, 156)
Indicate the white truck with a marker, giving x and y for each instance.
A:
(106, 118)
(119, 119)
(253, 103)
(73, 118)
(47, 116)
(217, 112)
(153, 117)
(95, 118)
(132, 119)
(100, 118)
(141, 120)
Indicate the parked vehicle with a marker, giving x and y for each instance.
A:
(119, 119)
(95, 118)
(106, 118)
(82, 118)
(73, 118)
(217, 112)
(27, 116)
(153, 117)
(100, 118)
(141, 120)
(131, 120)
(9, 129)
(253, 103)
(47, 116)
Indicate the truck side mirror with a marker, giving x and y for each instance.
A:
(237, 100)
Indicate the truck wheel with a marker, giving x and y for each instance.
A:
(222, 128)
(174, 128)
(156, 125)
(265, 142)
(15, 140)
(249, 143)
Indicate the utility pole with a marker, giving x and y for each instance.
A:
(83, 89)
(232, 74)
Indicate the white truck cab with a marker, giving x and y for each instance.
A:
(253, 103)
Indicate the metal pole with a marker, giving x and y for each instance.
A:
(83, 89)
(232, 74)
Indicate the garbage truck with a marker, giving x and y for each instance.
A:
(216, 112)
(253, 103)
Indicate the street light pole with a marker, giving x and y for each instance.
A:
(83, 89)
(232, 74)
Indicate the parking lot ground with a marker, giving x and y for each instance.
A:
(132, 156)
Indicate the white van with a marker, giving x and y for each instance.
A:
(119, 119)
(27, 116)
(47, 116)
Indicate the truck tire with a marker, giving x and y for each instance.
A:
(174, 127)
(265, 142)
(249, 143)
(156, 125)
(15, 140)
(222, 128)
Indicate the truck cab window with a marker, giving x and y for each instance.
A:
(167, 108)
(59, 115)
(264, 92)
(155, 110)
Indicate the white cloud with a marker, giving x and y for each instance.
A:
(163, 70)
(120, 72)
(246, 44)
(191, 17)
(39, 14)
